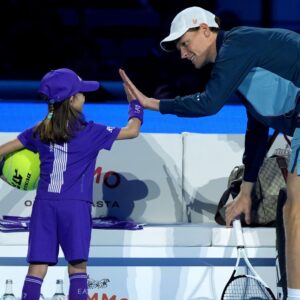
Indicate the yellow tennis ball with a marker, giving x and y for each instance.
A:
(21, 169)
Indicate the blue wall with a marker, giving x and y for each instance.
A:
(16, 116)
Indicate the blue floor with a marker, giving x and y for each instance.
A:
(15, 116)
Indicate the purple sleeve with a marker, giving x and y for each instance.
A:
(26, 138)
(104, 136)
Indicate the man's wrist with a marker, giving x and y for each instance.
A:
(152, 104)
(246, 187)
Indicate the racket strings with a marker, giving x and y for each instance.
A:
(246, 288)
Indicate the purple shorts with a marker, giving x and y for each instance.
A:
(59, 223)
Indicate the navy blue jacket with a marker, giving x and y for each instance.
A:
(262, 65)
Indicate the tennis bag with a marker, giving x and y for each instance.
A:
(271, 179)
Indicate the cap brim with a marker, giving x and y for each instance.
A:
(169, 46)
(169, 43)
(89, 86)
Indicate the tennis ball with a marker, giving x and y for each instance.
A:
(21, 169)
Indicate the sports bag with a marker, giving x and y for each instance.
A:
(271, 179)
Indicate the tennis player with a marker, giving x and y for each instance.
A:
(263, 65)
(68, 147)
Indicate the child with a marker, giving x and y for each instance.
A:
(68, 147)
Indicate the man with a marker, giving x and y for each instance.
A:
(263, 66)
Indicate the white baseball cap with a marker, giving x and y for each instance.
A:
(188, 18)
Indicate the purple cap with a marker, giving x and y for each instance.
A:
(60, 84)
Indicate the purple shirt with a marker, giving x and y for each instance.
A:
(67, 169)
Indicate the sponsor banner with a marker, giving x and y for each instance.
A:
(140, 179)
(155, 179)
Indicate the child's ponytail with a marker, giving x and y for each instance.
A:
(61, 123)
(47, 132)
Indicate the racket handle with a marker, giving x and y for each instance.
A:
(238, 232)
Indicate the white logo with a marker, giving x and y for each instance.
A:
(137, 109)
(110, 129)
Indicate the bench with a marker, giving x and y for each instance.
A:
(170, 183)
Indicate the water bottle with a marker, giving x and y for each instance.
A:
(8, 295)
(59, 294)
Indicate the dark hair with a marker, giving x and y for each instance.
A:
(216, 29)
(61, 123)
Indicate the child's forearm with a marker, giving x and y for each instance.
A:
(9, 147)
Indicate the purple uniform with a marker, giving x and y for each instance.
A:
(61, 213)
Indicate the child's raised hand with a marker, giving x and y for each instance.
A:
(129, 93)
(134, 91)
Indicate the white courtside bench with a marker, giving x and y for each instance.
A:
(171, 183)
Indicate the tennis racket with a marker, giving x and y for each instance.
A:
(245, 286)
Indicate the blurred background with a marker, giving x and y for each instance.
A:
(95, 38)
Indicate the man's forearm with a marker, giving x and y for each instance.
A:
(152, 104)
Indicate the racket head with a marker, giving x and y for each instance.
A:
(246, 287)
